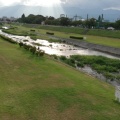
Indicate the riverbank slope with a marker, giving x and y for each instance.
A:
(39, 88)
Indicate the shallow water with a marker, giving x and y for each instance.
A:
(57, 48)
(5, 27)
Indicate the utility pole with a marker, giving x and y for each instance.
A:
(102, 17)
(87, 17)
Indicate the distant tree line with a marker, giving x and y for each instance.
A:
(31, 19)
(65, 21)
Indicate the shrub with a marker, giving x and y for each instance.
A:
(40, 53)
(32, 30)
(99, 60)
(63, 58)
(72, 61)
(109, 76)
(69, 62)
(33, 50)
(80, 64)
(27, 47)
(55, 56)
(74, 37)
(21, 44)
(49, 33)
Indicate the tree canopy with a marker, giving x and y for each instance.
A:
(65, 21)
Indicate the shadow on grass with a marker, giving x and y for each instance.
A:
(116, 102)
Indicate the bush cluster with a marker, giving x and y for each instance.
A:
(50, 33)
(32, 49)
(110, 68)
(70, 61)
(20, 44)
(32, 30)
(74, 37)
(55, 56)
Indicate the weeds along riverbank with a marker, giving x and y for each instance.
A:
(104, 68)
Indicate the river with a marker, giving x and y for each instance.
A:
(56, 48)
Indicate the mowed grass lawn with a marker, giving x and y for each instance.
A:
(34, 88)
(107, 41)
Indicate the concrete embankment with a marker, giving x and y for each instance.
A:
(102, 48)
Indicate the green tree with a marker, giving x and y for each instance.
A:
(90, 23)
(76, 23)
(64, 21)
(22, 19)
(23, 16)
(51, 18)
(117, 24)
(30, 18)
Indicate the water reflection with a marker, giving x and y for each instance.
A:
(56, 48)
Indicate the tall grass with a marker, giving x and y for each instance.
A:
(110, 68)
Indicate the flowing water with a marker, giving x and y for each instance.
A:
(56, 48)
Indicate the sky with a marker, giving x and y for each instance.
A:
(101, 4)
(91, 7)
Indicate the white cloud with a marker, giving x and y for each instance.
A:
(29, 2)
(92, 3)
(76, 3)
(41, 2)
(9, 2)
(112, 8)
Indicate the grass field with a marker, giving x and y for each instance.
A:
(64, 32)
(108, 38)
(112, 42)
(77, 30)
(33, 88)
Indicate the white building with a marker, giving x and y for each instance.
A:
(110, 28)
(117, 93)
(12, 19)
